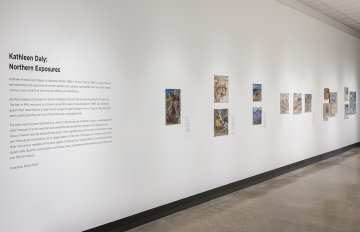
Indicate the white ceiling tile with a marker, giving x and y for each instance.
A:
(345, 11)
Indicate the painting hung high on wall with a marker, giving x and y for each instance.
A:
(326, 111)
(346, 94)
(284, 103)
(221, 89)
(326, 93)
(221, 122)
(297, 103)
(333, 103)
(352, 102)
(257, 92)
(308, 103)
(173, 106)
(346, 114)
(257, 115)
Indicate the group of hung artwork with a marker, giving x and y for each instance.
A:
(221, 95)
(330, 107)
(297, 103)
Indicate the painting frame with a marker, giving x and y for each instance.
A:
(326, 111)
(308, 103)
(257, 115)
(352, 102)
(257, 92)
(172, 106)
(221, 89)
(221, 122)
(326, 93)
(333, 103)
(284, 103)
(346, 111)
(297, 103)
(346, 94)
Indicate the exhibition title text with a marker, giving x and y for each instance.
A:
(25, 67)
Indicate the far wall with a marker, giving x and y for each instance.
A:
(143, 47)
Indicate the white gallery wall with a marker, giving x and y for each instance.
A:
(143, 47)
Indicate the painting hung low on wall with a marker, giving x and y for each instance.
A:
(326, 93)
(308, 103)
(346, 110)
(333, 103)
(352, 102)
(284, 103)
(346, 94)
(173, 106)
(221, 89)
(221, 122)
(326, 111)
(297, 103)
(257, 115)
(257, 92)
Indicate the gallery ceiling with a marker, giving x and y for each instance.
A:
(344, 11)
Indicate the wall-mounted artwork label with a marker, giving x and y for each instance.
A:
(284, 103)
(221, 122)
(29, 63)
(173, 106)
(308, 103)
(333, 103)
(326, 111)
(257, 92)
(352, 102)
(346, 94)
(233, 125)
(346, 111)
(48, 113)
(221, 89)
(257, 115)
(297, 103)
(187, 124)
(326, 93)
